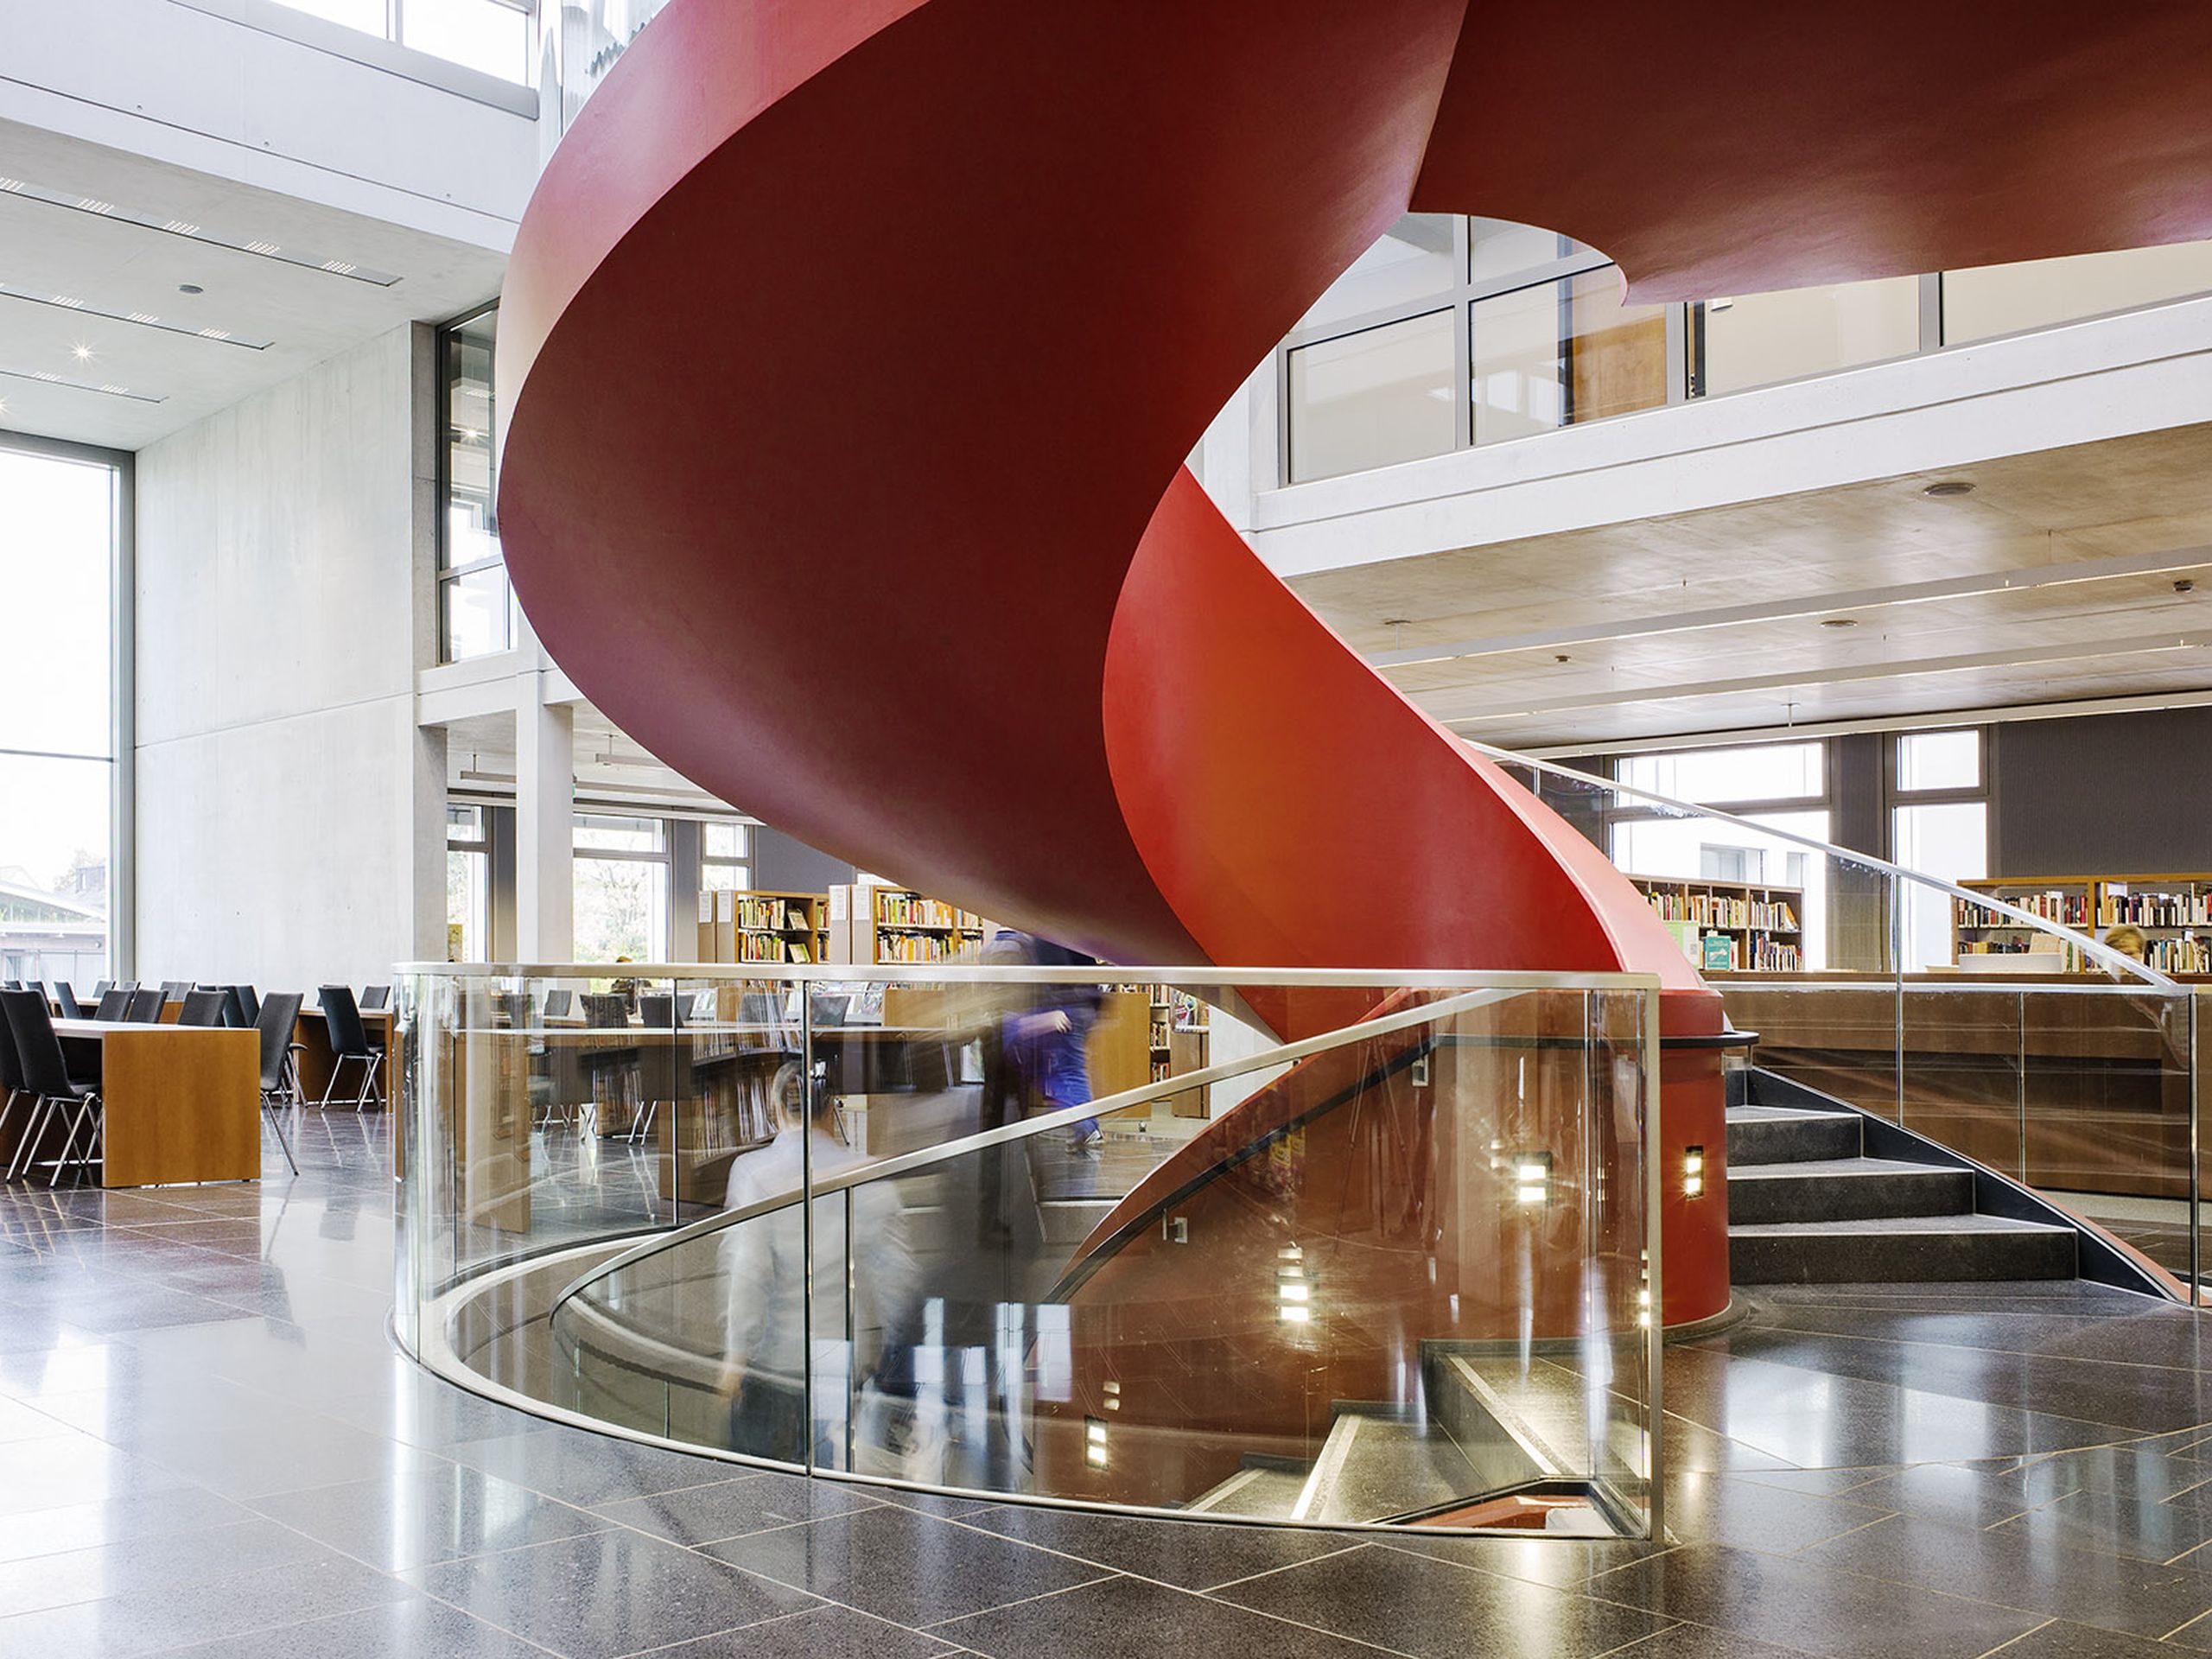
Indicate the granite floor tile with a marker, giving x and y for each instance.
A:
(1562, 1563)
(731, 1508)
(2025, 1569)
(148, 1564)
(123, 1520)
(415, 1629)
(1134, 1618)
(1189, 1555)
(416, 1517)
(2114, 1525)
(1423, 1607)
(1813, 1608)
(2060, 1639)
(608, 1593)
(1723, 1510)
(583, 1468)
(221, 1611)
(288, 1454)
(820, 1633)
(911, 1568)
(1955, 1493)
(1701, 1642)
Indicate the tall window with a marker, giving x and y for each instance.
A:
(59, 522)
(723, 857)
(1939, 825)
(491, 36)
(621, 888)
(1774, 785)
(1454, 331)
(468, 884)
(475, 608)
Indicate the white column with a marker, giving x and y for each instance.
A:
(545, 825)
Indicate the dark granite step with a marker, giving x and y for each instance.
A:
(1901, 1249)
(1781, 1135)
(1843, 1189)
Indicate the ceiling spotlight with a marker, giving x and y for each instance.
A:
(1949, 488)
(81, 352)
(1839, 622)
(190, 287)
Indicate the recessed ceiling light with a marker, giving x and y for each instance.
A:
(190, 287)
(2184, 586)
(144, 318)
(1839, 622)
(1947, 487)
(81, 352)
(260, 247)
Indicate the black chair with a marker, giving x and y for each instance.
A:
(202, 1007)
(280, 1070)
(173, 990)
(250, 1000)
(146, 1006)
(349, 1040)
(234, 1013)
(100, 987)
(375, 999)
(64, 998)
(11, 1076)
(46, 1074)
(558, 1004)
(115, 1002)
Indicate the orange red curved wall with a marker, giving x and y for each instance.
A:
(849, 353)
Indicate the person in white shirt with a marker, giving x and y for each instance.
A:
(764, 1272)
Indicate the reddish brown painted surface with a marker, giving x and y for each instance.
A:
(850, 352)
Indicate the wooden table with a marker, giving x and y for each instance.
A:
(183, 1103)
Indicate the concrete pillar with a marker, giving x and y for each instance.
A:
(544, 826)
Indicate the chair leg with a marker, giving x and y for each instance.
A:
(34, 1127)
(276, 1123)
(369, 1065)
(68, 1146)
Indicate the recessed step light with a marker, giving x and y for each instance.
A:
(1839, 622)
(1945, 488)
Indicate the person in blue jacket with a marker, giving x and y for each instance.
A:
(1046, 1047)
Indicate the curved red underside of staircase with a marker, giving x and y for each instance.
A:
(850, 352)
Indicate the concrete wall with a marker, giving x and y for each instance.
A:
(783, 863)
(290, 815)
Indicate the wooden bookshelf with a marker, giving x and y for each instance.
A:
(898, 925)
(754, 925)
(1179, 1045)
(1759, 924)
(2174, 911)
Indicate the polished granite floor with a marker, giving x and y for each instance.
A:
(207, 1445)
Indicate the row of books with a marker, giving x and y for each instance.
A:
(1718, 910)
(2154, 909)
(773, 916)
(2068, 909)
(1179, 1008)
(918, 947)
(774, 947)
(2179, 955)
(2071, 958)
(894, 909)
(1758, 954)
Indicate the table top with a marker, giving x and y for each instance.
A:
(108, 1027)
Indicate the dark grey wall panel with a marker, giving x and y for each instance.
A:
(2106, 794)
(782, 863)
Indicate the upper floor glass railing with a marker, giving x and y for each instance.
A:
(1321, 1249)
(2016, 1038)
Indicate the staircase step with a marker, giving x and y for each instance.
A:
(1372, 1468)
(1270, 1494)
(1783, 1135)
(1899, 1249)
(1844, 1189)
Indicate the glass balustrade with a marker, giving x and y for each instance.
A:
(1309, 1249)
(2002, 1031)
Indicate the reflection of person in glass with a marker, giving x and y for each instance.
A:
(763, 1274)
(1046, 1047)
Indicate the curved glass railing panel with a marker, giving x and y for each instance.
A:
(2012, 1032)
(1376, 1254)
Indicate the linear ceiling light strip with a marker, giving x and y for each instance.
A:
(108, 389)
(144, 318)
(99, 209)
